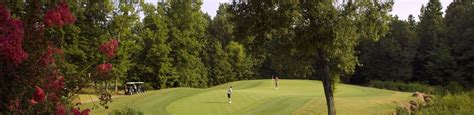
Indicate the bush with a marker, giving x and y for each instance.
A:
(451, 88)
(461, 104)
(148, 86)
(417, 87)
(126, 111)
(400, 86)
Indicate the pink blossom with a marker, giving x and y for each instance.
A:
(76, 111)
(38, 95)
(59, 16)
(33, 102)
(104, 68)
(60, 110)
(47, 57)
(11, 41)
(57, 84)
(109, 48)
(85, 112)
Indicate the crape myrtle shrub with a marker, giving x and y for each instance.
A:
(30, 81)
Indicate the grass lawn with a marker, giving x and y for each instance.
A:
(259, 97)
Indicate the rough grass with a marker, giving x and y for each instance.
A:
(259, 97)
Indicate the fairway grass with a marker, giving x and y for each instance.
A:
(300, 97)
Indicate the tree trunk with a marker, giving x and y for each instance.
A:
(328, 90)
(107, 86)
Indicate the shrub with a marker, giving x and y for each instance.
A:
(400, 86)
(417, 87)
(461, 104)
(451, 88)
(126, 111)
(148, 86)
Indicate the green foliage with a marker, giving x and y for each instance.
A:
(460, 32)
(187, 39)
(126, 111)
(154, 63)
(400, 86)
(433, 59)
(220, 33)
(391, 57)
(221, 28)
(240, 62)
(220, 69)
(265, 28)
(461, 103)
(450, 88)
(124, 18)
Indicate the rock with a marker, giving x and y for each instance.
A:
(413, 108)
(423, 98)
(413, 102)
(428, 99)
(416, 94)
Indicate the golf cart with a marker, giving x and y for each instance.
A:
(131, 88)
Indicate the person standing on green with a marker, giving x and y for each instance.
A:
(276, 82)
(229, 94)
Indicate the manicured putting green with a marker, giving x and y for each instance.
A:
(259, 97)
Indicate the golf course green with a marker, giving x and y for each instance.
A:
(259, 97)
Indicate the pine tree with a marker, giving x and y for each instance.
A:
(460, 31)
(433, 58)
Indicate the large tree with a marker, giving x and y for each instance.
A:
(433, 59)
(219, 34)
(328, 34)
(120, 27)
(322, 34)
(460, 34)
(154, 61)
(187, 37)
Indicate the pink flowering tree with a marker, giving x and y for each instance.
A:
(30, 80)
(104, 70)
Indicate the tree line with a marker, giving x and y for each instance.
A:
(435, 50)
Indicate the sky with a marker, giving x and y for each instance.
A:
(401, 8)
